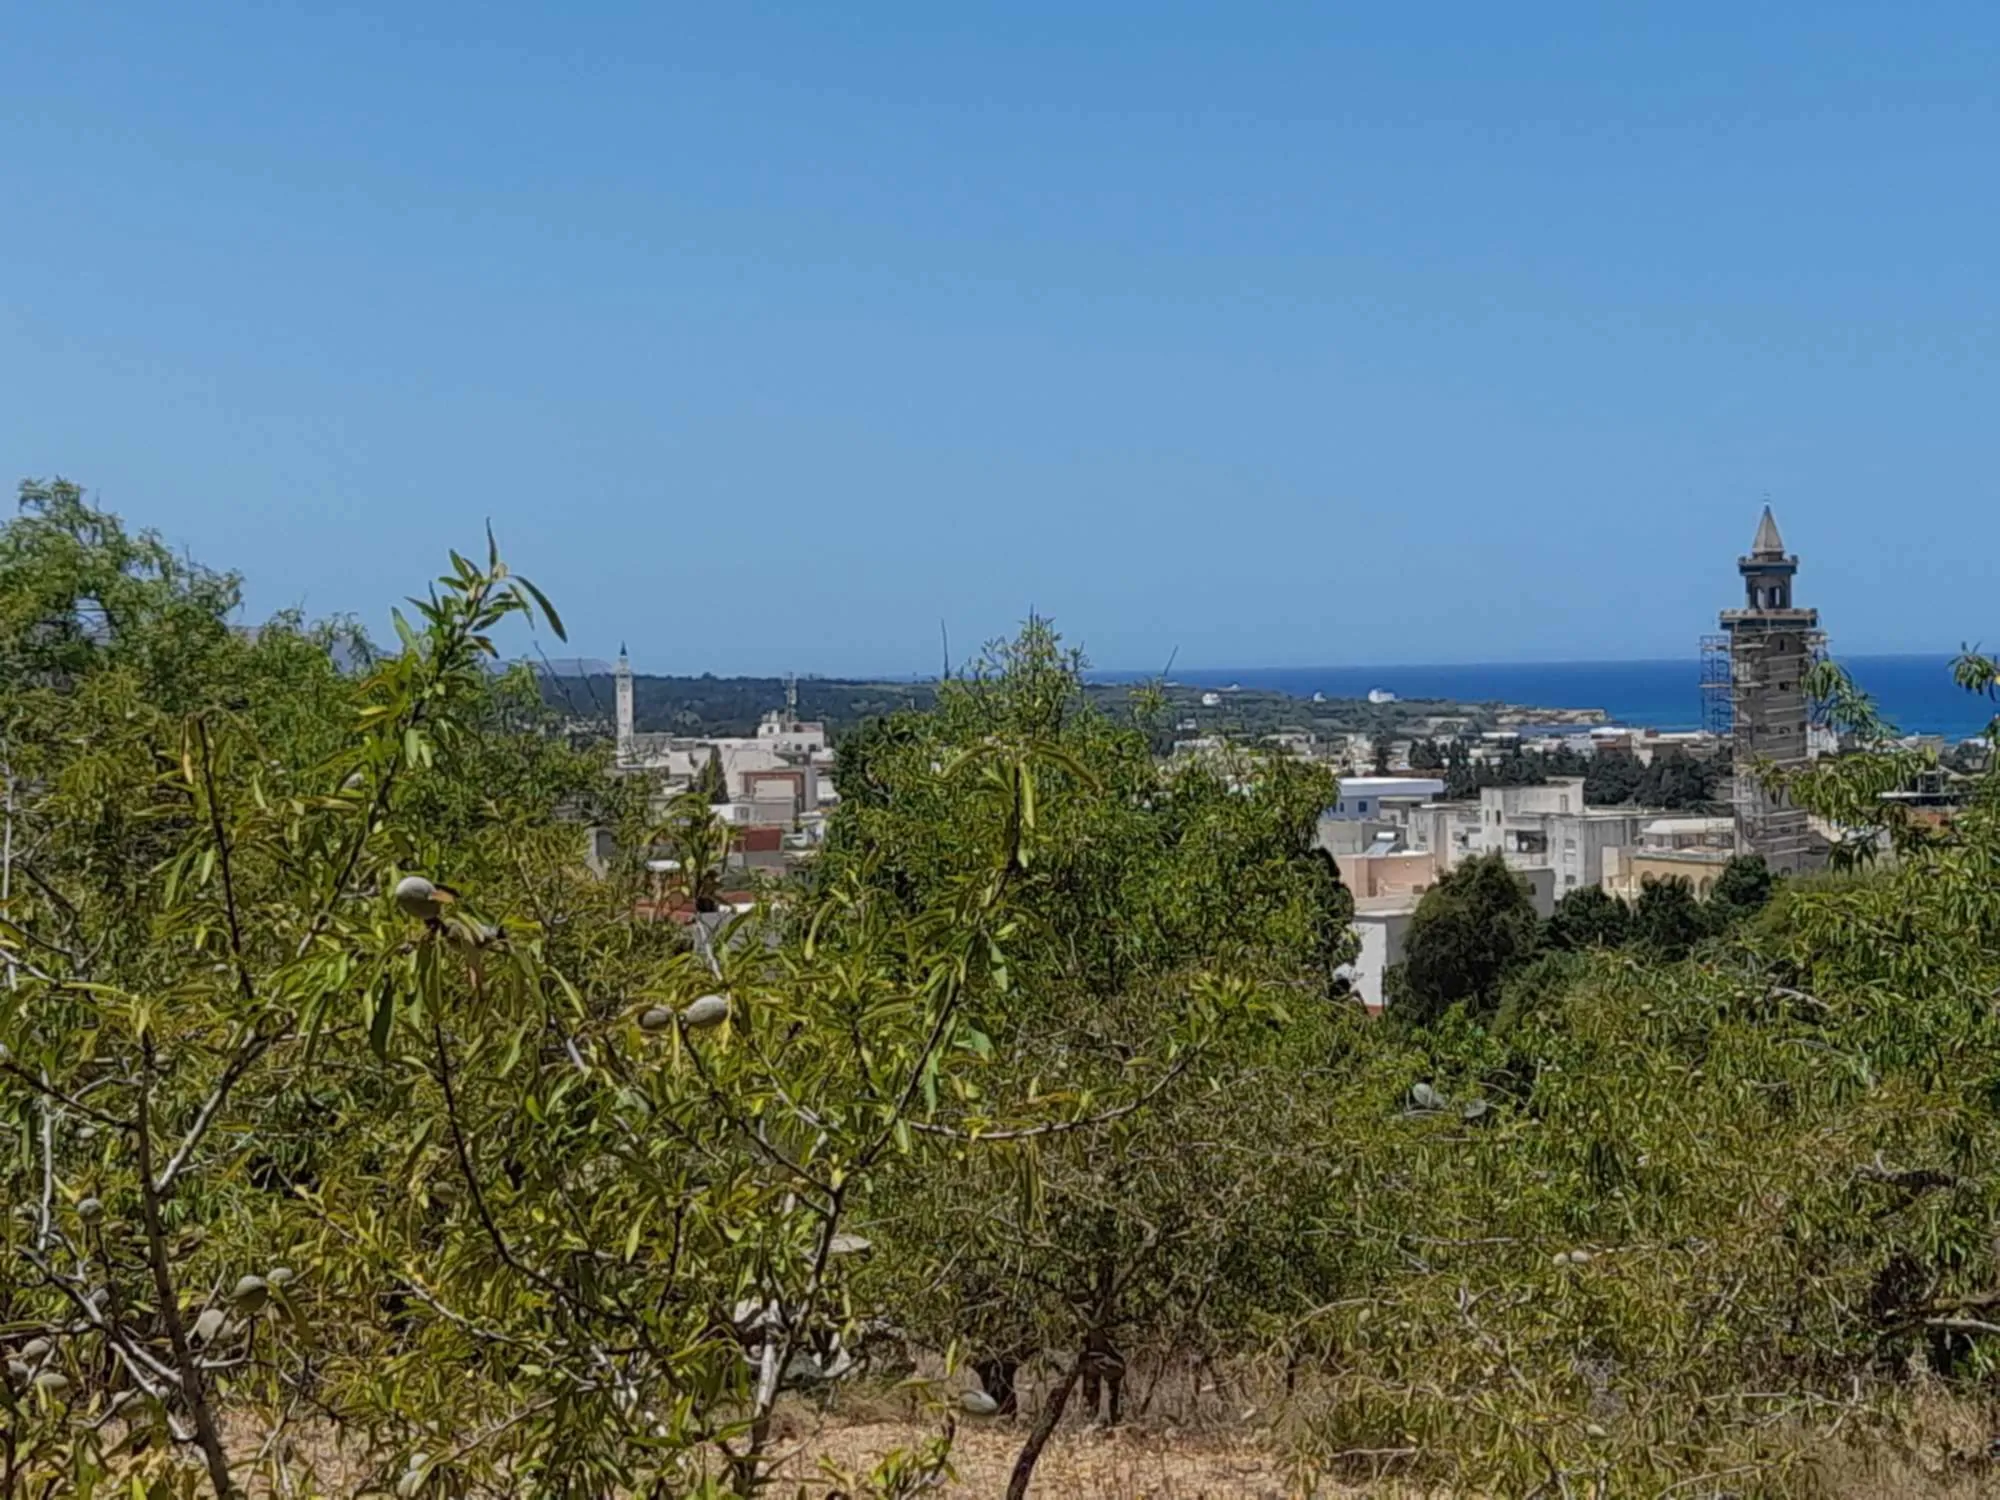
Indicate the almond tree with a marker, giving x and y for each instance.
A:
(1173, 950)
(343, 1099)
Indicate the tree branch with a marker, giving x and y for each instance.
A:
(192, 1386)
(48, 1168)
(221, 837)
(1061, 1127)
(465, 1167)
(246, 1056)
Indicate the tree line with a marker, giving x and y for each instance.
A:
(1475, 932)
(1672, 780)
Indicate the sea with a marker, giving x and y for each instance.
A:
(1915, 693)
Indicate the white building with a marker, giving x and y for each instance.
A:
(1383, 798)
(783, 742)
(1532, 828)
(1382, 930)
(1647, 745)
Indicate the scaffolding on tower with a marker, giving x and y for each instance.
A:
(1770, 716)
(1718, 709)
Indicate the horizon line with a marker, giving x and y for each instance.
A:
(1091, 670)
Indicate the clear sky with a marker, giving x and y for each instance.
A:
(1281, 334)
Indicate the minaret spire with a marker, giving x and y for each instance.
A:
(1768, 542)
(623, 678)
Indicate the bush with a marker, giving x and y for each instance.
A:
(1470, 930)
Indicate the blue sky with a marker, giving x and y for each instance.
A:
(769, 336)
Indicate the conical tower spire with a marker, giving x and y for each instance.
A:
(1768, 542)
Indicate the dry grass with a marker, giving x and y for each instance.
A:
(1085, 1465)
(1197, 1442)
(1936, 1449)
(1941, 1454)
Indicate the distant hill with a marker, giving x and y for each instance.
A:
(709, 705)
(573, 666)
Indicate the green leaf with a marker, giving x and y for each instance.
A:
(548, 609)
(384, 998)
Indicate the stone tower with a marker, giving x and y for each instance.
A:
(1772, 644)
(624, 681)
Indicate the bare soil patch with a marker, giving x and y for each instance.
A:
(1084, 1463)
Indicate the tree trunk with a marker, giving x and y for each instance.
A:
(1045, 1426)
(193, 1387)
(996, 1378)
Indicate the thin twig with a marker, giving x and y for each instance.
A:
(464, 1153)
(221, 836)
(7, 867)
(246, 1056)
(1060, 1127)
(1962, 1325)
(48, 1166)
(42, 1086)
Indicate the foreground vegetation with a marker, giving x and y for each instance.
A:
(338, 1095)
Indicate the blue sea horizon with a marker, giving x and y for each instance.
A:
(1915, 692)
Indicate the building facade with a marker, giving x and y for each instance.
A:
(1694, 849)
(1383, 798)
(1772, 645)
(1532, 828)
(787, 760)
(1549, 827)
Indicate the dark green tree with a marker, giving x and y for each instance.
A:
(1667, 918)
(712, 781)
(1461, 780)
(1564, 761)
(861, 756)
(1381, 735)
(1588, 917)
(1741, 891)
(1612, 780)
(1678, 782)
(1471, 929)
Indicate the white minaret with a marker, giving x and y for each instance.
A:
(626, 754)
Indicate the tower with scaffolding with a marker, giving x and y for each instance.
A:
(1754, 690)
